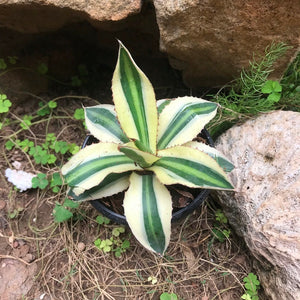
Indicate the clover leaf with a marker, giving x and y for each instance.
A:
(40, 181)
(5, 104)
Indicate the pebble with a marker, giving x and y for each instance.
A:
(81, 246)
(2, 204)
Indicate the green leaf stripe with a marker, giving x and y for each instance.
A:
(182, 118)
(91, 167)
(103, 117)
(91, 194)
(161, 104)
(153, 226)
(133, 91)
(194, 172)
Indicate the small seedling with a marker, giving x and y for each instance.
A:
(5, 104)
(219, 231)
(79, 114)
(117, 231)
(41, 156)
(14, 214)
(26, 122)
(42, 68)
(273, 89)
(40, 181)
(168, 296)
(114, 243)
(152, 279)
(104, 245)
(220, 217)
(61, 147)
(25, 145)
(9, 145)
(102, 220)
(3, 64)
(62, 212)
(122, 248)
(251, 285)
(56, 182)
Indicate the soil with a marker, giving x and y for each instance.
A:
(40, 259)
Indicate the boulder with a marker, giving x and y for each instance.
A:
(44, 15)
(265, 209)
(211, 41)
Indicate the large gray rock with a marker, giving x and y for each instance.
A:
(265, 209)
(211, 41)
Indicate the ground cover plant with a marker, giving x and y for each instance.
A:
(41, 230)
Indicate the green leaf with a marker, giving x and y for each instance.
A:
(110, 185)
(79, 114)
(12, 59)
(56, 180)
(134, 100)
(87, 168)
(251, 282)
(3, 64)
(182, 120)
(274, 97)
(214, 153)
(44, 110)
(26, 122)
(144, 159)
(9, 145)
(73, 148)
(71, 204)
(190, 167)
(5, 104)
(42, 68)
(40, 156)
(40, 181)
(52, 104)
(161, 104)
(117, 231)
(61, 214)
(148, 207)
(271, 86)
(102, 220)
(168, 296)
(246, 297)
(26, 145)
(102, 122)
(51, 159)
(61, 147)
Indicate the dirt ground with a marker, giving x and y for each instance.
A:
(41, 259)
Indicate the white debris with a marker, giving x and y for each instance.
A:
(17, 165)
(20, 179)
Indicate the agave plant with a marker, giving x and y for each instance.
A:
(144, 145)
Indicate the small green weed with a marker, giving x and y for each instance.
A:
(5, 104)
(168, 296)
(102, 220)
(273, 89)
(251, 93)
(113, 244)
(40, 181)
(63, 212)
(219, 230)
(251, 285)
(56, 182)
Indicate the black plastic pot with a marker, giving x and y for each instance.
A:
(176, 215)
